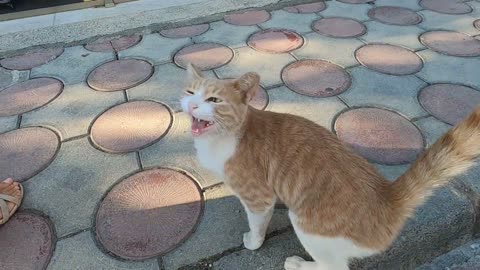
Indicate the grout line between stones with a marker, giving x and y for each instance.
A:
(414, 119)
(343, 101)
(19, 121)
(70, 235)
(75, 138)
(161, 266)
(139, 160)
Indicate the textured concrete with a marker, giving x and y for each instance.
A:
(155, 48)
(466, 257)
(406, 36)
(411, 4)
(8, 123)
(340, 51)
(72, 112)
(223, 225)
(357, 11)
(81, 174)
(441, 68)
(437, 21)
(227, 34)
(67, 66)
(267, 65)
(88, 256)
(432, 129)
(284, 100)
(392, 172)
(394, 92)
(297, 22)
(9, 77)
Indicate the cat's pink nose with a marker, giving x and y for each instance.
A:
(191, 107)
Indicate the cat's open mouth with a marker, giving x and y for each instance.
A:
(200, 126)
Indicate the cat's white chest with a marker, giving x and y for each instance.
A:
(214, 153)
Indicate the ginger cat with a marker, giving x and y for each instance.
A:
(339, 205)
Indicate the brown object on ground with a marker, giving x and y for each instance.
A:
(4, 198)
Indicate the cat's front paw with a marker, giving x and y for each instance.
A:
(294, 263)
(252, 241)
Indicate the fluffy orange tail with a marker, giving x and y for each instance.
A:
(451, 155)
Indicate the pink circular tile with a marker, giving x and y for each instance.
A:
(186, 31)
(130, 126)
(306, 8)
(389, 59)
(449, 102)
(204, 55)
(451, 43)
(119, 75)
(275, 41)
(380, 136)
(395, 15)
(113, 44)
(149, 214)
(247, 18)
(446, 6)
(260, 100)
(31, 59)
(28, 95)
(355, 1)
(27, 151)
(27, 242)
(339, 27)
(316, 78)
(477, 24)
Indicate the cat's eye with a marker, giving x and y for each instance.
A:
(214, 100)
(189, 92)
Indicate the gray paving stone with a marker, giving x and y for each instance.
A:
(72, 112)
(406, 36)
(269, 66)
(443, 68)
(221, 32)
(176, 150)
(73, 66)
(392, 172)
(466, 257)
(70, 188)
(222, 228)
(432, 129)
(166, 86)
(472, 178)
(155, 48)
(444, 222)
(9, 77)
(370, 88)
(300, 23)
(411, 4)
(357, 11)
(269, 257)
(337, 50)
(8, 123)
(438, 21)
(319, 110)
(80, 253)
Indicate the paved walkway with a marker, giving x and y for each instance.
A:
(96, 135)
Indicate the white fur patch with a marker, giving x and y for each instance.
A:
(214, 151)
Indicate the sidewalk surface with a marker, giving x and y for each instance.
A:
(96, 136)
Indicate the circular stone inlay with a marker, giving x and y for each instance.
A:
(119, 75)
(186, 31)
(31, 59)
(149, 214)
(28, 95)
(389, 59)
(275, 41)
(113, 44)
(355, 1)
(27, 151)
(27, 242)
(451, 43)
(260, 100)
(446, 6)
(316, 78)
(449, 102)
(247, 18)
(339, 27)
(395, 15)
(130, 126)
(379, 135)
(204, 55)
(306, 8)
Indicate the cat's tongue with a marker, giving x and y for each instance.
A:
(198, 126)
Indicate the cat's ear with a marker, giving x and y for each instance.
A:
(193, 72)
(249, 84)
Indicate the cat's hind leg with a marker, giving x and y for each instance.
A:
(329, 253)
